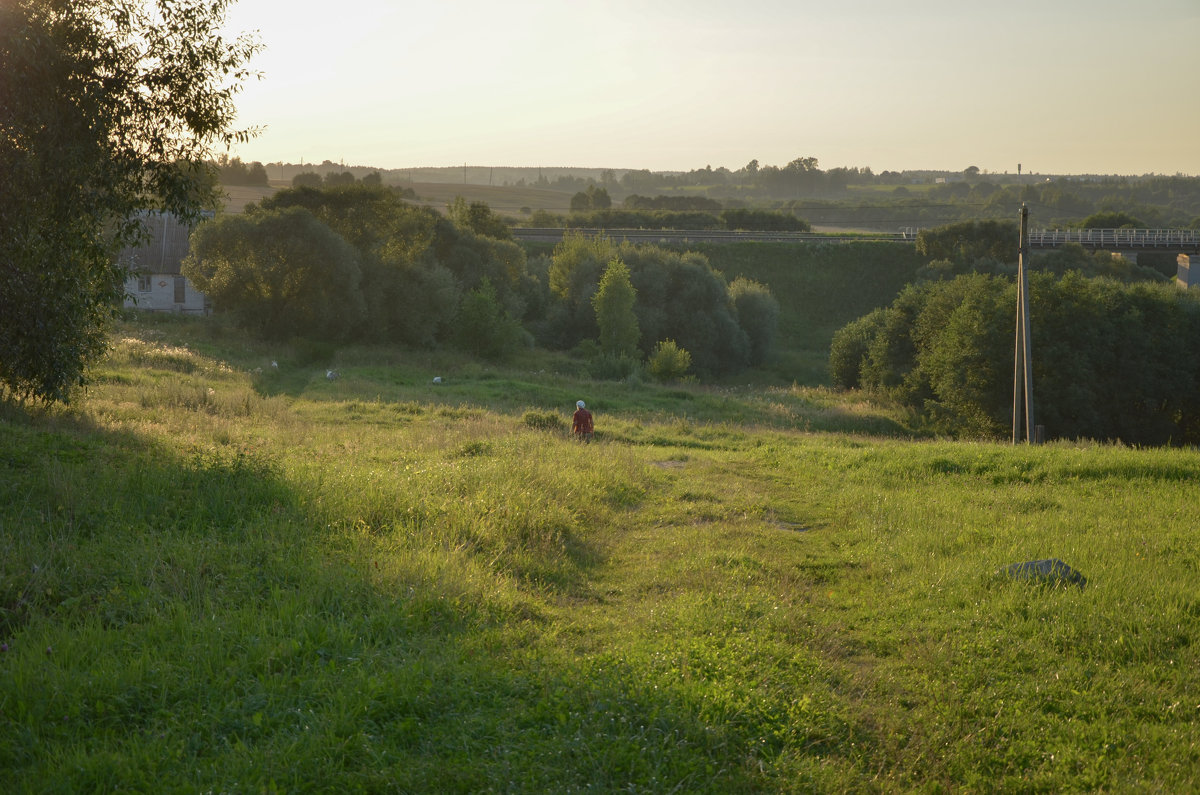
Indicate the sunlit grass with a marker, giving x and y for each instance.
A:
(216, 575)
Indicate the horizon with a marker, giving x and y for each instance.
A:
(619, 169)
(1065, 87)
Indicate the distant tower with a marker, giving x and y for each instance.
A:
(1018, 169)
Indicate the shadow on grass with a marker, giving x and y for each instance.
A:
(175, 621)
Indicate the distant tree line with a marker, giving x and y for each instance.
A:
(1158, 202)
(334, 179)
(852, 196)
(356, 262)
(858, 197)
(624, 218)
(235, 172)
(1112, 357)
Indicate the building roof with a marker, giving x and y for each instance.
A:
(163, 251)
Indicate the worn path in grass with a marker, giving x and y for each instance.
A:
(208, 583)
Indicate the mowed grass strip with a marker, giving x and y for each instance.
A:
(209, 582)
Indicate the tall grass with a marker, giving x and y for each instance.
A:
(378, 583)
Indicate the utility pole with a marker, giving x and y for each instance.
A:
(1022, 366)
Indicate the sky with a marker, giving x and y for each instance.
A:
(1059, 86)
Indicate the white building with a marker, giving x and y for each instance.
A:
(155, 282)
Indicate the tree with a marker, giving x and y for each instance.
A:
(107, 109)
(479, 218)
(280, 273)
(965, 242)
(1104, 363)
(256, 175)
(763, 220)
(235, 172)
(307, 179)
(1112, 220)
(849, 347)
(591, 199)
(575, 270)
(484, 327)
(411, 296)
(335, 179)
(614, 302)
(681, 297)
(580, 203)
(668, 362)
(758, 315)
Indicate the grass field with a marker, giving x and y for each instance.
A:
(217, 575)
(238, 196)
(505, 200)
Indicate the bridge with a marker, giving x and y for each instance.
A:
(555, 234)
(1179, 241)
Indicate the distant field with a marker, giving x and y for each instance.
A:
(505, 200)
(888, 190)
(238, 196)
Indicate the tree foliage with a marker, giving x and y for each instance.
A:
(668, 362)
(479, 218)
(1108, 362)
(971, 240)
(483, 327)
(1112, 220)
(613, 301)
(758, 315)
(307, 179)
(680, 296)
(280, 273)
(107, 108)
(763, 220)
(594, 198)
(235, 172)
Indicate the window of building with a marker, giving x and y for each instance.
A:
(144, 283)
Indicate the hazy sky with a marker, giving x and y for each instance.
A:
(1061, 86)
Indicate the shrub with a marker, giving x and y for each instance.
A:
(758, 315)
(849, 349)
(669, 362)
(543, 421)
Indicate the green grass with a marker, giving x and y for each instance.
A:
(213, 579)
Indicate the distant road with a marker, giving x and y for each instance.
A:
(554, 235)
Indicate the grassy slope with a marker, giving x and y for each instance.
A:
(819, 289)
(214, 579)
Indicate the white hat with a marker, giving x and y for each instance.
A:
(579, 403)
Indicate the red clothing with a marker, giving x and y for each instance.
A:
(581, 423)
